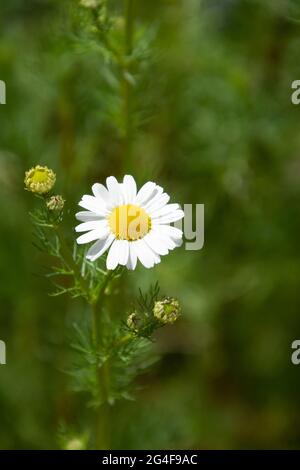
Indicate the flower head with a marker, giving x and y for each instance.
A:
(56, 203)
(167, 310)
(133, 225)
(39, 180)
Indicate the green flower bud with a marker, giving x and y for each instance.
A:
(39, 180)
(167, 310)
(133, 322)
(55, 203)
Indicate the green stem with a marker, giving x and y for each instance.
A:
(96, 308)
(70, 260)
(128, 26)
(102, 418)
(102, 433)
(127, 85)
(105, 39)
(95, 325)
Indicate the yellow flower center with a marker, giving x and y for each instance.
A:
(129, 222)
(40, 175)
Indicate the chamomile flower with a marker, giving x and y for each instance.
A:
(133, 225)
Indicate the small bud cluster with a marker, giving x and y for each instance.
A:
(165, 311)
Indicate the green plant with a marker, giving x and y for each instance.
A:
(111, 350)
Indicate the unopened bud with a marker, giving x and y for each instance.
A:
(133, 322)
(167, 310)
(39, 180)
(55, 203)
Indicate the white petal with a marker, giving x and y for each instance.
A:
(129, 189)
(167, 219)
(99, 248)
(170, 242)
(157, 259)
(123, 252)
(113, 255)
(177, 242)
(165, 210)
(101, 192)
(146, 256)
(173, 232)
(92, 204)
(145, 193)
(92, 225)
(157, 192)
(156, 243)
(115, 191)
(91, 236)
(132, 258)
(85, 216)
(157, 202)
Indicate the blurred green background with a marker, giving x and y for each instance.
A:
(213, 124)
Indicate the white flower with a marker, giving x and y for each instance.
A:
(132, 225)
